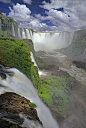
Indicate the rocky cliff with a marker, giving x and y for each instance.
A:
(7, 26)
(77, 49)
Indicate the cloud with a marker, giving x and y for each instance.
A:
(4, 14)
(72, 18)
(20, 12)
(58, 15)
(43, 17)
(22, 15)
(5, 1)
(54, 4)
(27, 1)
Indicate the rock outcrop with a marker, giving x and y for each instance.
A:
(11, 104)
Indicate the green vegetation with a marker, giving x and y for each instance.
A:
(6, 26)
(32, 105)
(17, 54)
(55, 92)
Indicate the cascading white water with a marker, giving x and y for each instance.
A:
(23, 34)
(31, 35)
(47, 35)
(29, 123)
(13, 30)
(33, 60)
(21, 85)
(47, 42)
(19, 33)
(28, 35)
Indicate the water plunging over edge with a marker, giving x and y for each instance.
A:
(21, 85)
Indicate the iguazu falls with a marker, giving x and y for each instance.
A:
(42, 64)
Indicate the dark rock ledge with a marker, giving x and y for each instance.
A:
(80, 64)
(11, 104)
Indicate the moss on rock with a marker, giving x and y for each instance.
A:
(17, 54)
(6, 26)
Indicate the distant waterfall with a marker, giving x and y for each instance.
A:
(48, 41)
(28, 35)
(13, 30)
(0, 26)
(23, 34)
(47, 35)
(31, 35)
(21, 85)
(19, 33)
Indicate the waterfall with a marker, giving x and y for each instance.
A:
(13, 30)
(17, 82)
(0, 26)
(33, 60)
(23, 34)
(48, 42)
(31, 35)
(19, 33)
(28, 35)
(47, 35)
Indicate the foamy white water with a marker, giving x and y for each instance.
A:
(49, 41)
(21, 85)
(19, 34)
(23, 34)
(13, 30)
(41, 73)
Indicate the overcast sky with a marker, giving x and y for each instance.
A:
(46, 15)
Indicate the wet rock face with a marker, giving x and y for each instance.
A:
(40, 53)
(6, 124)
(80, 64)
(14, 104)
